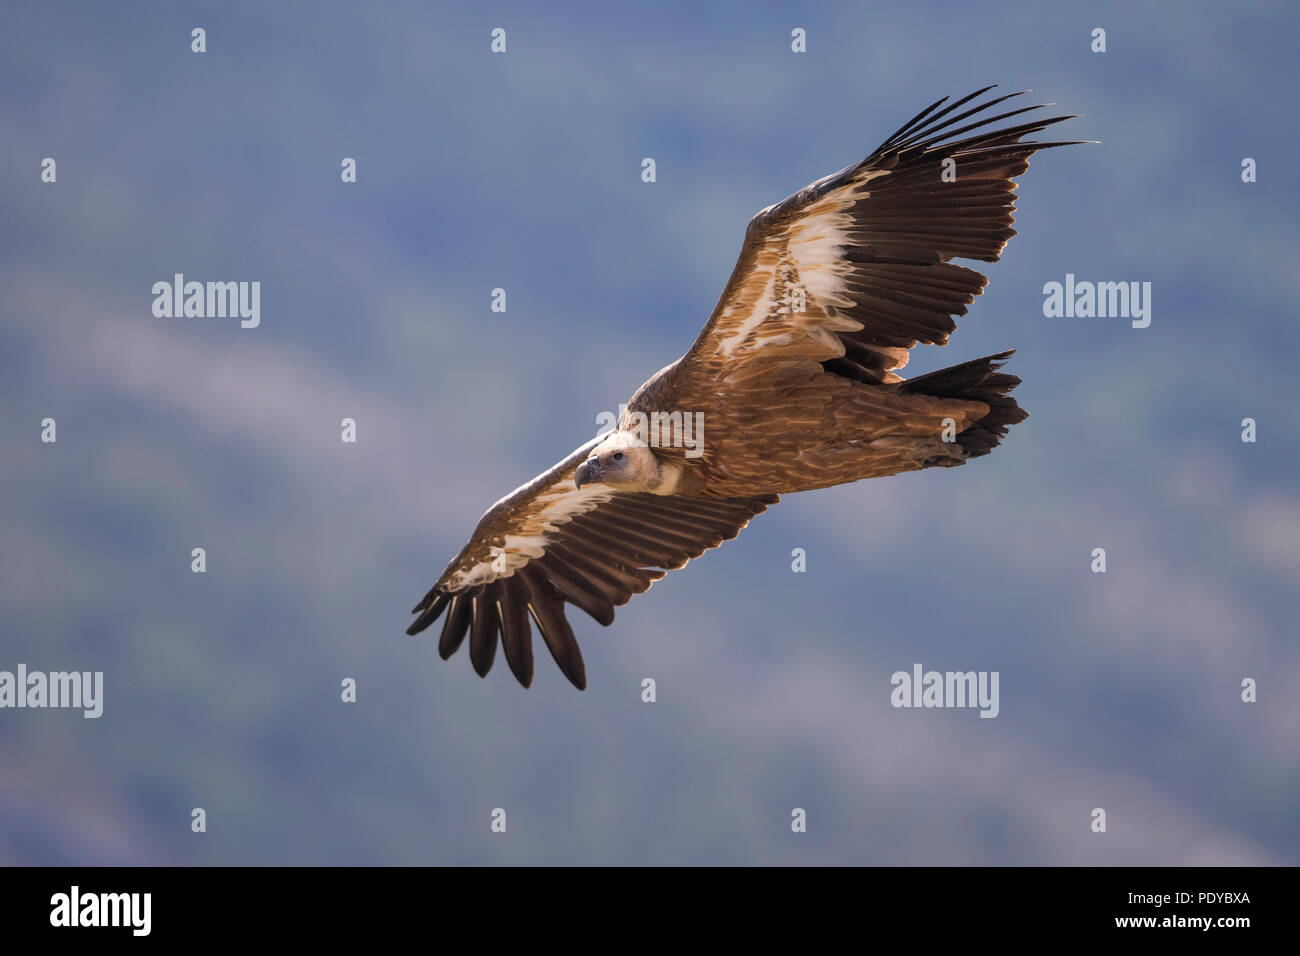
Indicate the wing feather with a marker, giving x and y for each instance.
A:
(483, 630)
(866, 252)
(457, 623)
(547, 608)
(516, 635)
(549, 544)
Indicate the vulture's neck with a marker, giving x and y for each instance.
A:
(666, 478)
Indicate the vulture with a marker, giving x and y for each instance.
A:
(794, 379)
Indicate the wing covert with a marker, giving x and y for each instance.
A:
(549, 544)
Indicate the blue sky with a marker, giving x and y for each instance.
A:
(522, 171)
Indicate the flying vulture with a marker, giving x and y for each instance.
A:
(795, 378)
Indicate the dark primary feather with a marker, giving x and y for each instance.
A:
(596, 562)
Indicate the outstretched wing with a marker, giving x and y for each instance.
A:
(854, 270)
(550, 543)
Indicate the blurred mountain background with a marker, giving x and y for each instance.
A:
(522, 171)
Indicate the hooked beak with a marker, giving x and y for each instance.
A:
(587, 472)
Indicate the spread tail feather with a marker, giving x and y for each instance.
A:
(977, 380)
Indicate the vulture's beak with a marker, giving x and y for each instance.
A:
(587, 472)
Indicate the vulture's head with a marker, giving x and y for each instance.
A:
(621, 461)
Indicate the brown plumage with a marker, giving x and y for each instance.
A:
(794, 378)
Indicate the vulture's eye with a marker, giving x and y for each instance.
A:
(618, 456)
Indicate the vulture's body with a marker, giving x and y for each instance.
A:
(794, 379)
